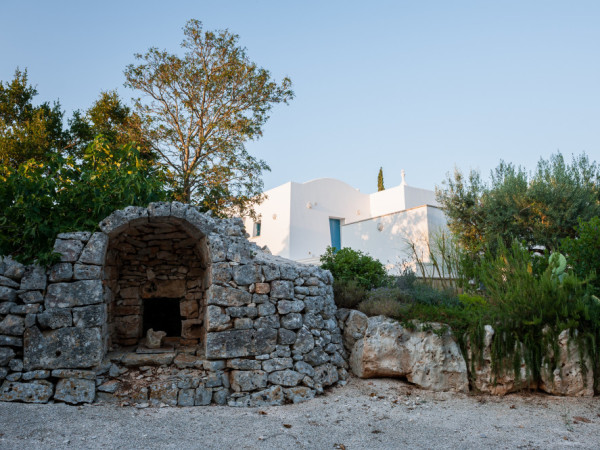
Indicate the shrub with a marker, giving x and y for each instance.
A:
(583, 253)
(348, 293)
(381, 306)
(40, 200)
(347, 264)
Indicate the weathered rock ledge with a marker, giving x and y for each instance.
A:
(428, 356)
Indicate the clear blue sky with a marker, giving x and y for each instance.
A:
(423, 85)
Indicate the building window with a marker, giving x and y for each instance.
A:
(256, 229)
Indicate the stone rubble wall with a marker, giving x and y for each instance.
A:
(265, 327)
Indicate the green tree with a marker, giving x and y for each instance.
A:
(200, 109)
(38, 200)
(380, 186)
(112, 119)
(27, 131)
(539, 209)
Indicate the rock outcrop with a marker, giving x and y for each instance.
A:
(567, 373)
(427, 356)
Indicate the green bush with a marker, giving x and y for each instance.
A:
(348, 293)
(382, 307)
(583, 252)
(40, 200)
(347, 264)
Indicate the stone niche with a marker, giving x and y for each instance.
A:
(243, 328)
(157, 274)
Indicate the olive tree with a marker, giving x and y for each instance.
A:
(199, 109)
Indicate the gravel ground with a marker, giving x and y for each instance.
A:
(381, 413)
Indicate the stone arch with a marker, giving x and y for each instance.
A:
(156, 273)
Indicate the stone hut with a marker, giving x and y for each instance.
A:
(242, 327)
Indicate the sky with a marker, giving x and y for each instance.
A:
(424, 86)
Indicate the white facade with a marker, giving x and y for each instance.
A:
(295, 220)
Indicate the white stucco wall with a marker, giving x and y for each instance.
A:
(295, 219)
(274, 214)
(328, 198)
(386, 237)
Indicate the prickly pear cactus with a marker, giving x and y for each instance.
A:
(558, 263)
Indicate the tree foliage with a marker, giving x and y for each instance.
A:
(38, 200)
(539, 209)
(348, 264)
(27, 131)
(112, 119)
(380, 186)
(583, 252)
(200, 109)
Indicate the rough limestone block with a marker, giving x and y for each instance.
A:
(61, 272)
(83, 236)
(286, 377)
(247, 274)
(12, 325)
(74, 373)
(10, 341)
(244, 364)
(159, 209)
(34, 392)
(68, 348)
(165, 392)
(238, 343)
(95, 250)
(326, 374)
(298, 394)
(186, 397)
(4, 281)
(262, 288)
(202, 396)
(203, 223)
(291, 321)
(6, 354)
(79, 293)
(216, 320)
(69, 249)
(191, 328)
(286, 337)
(75, 390)
(32, 297)
(282, 289)
(272, 365)
(272, 396)
(240, 251)
(289, 306)
(89, 316)
(54, 318)
(247, 380)
(12, 269)
(227, 296)
(25, 309)
(304, 368)
(7, 294)
(87, 272)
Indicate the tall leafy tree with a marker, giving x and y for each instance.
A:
(539, 208)
(26, 130)
(380, 186)
(110, 117)
(200, 109)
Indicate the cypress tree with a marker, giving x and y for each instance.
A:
(380, 186)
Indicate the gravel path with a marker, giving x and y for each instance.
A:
(380, 413)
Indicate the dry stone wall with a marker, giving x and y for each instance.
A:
(255, 329)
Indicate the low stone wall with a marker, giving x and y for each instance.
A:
(256, 329)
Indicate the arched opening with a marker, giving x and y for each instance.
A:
(157, 277)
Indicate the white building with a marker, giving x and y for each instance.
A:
(299, 220)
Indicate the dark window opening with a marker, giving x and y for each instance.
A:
(162, 314)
